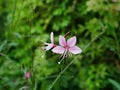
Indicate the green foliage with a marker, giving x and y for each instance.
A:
(26, 24)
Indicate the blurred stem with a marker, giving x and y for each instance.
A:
(31, 50)
(117, 45)
(35, 87)
(11, 24)
(13, 15)
(4, 55)
(75, 59)
(47, 22)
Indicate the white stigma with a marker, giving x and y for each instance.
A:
(59, 62)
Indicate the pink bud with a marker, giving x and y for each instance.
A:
(27, 75)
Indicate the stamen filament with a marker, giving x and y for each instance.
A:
(63, 56)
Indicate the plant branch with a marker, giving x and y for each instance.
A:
(75, 58)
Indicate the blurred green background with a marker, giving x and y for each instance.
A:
(26, 24)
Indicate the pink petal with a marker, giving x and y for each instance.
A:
(52, 37)
(72, 41)
(58, 49)
(62, 41)
(75, 50)
(49, 47)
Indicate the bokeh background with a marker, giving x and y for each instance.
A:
(26, 24)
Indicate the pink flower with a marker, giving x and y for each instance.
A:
(67, 47)
(27, 75)
(50, 45)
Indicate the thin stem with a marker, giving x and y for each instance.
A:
(49, 77)
(32, 51)
(66, 34)
(4, 55)
(75, 59)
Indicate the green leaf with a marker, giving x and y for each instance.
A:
(114, 83)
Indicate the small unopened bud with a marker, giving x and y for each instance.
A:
(27, 75)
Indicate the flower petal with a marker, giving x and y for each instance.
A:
(58, 49)
(75, 50)
(52, 37)
(49, 46)
(72, 41)
(62, 41)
